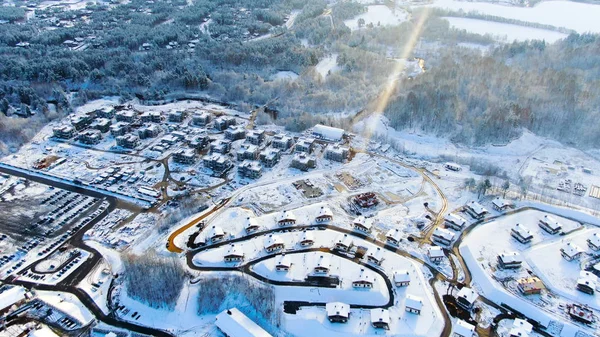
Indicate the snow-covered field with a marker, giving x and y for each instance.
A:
(327, 65)
(581, 17)
(378, 15)
(504, 32)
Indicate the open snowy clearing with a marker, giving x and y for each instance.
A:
(378, 15)
(504, 32)
(327, 65)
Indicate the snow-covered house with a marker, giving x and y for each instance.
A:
(510, 260)
(549, 224)
(337, 312)
(476, 210)
(251, 225)
(454, 221)
(376, 257)
(520, 328)
(413, 304)
(305, 145)
(307, 239)
(364, 280)
(215, 234)
(443, 236)
(283, 263)
(13, 296)
(273, 243)
(594, 242)
(380, 318)
(233, 323)
(362, 224)
(571, 251)
(501, 204)
(435, 254)
(522, 234)
(401, 278)
(530, 285)
(234, 254)
(466, 298)
(452, 167)
(286, 218)
(328, 132)
(344, 243)
(325, 215)
(394, 236)
(463, 329)
(587, 282)
(323, 264)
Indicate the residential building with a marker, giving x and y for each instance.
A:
(106, 112)
(594, 242)
(337, 153)
(273, 243)
(323, 264)
(233, 323)
(366, 200)
(286, 218)
(201, 118)
(199, 142)
(520, 328)
(337, 312)
(185, 156)
(303, 162)
(90, 137)
(168, 140)
(270, 157)
(401, 278)
(435, 254)
(452, 167)
(476, 210)
(343, 243)
(247, 152)
(413, 304)
(501, 204)
(282, 142)
(217, 162)
(380, 318)
(127, 116)
(234, 254)
(151, 117)
(549, 224)
(223, 122)
(283, 263)
(215, 234)
(119, 129)
(463, 329)
(150, 131)
(305, 145)
(362, 224)
(220, 146)
(255, 137)
(394, 236)
(177, 116)
(128, 141)
(102, 124)
(587, 282)
(510, 260)
(328, 133)
(307, 239)
(454, 221)
(522, 234)
(251, 225)
(466, 298)
(364, 280)
(442, 236)
(250, 169)
(376, 256)
(81, 121)
(324, 216)
(63, 132)
(234, 133)
(530, 285)
(571, 251)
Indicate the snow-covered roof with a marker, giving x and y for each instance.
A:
(521, 328)
(215, 231)
(377, 254)
(287, 216)
(455, 219)
(250, 222)
(522, 231)
(235, 324)
(435, 251)
(11, 296)
(414, 302)
(364, 277)
(468, 294)
(443, 233)
(307, 236)
(337, 309)
(234, 250)
(571, 249)
(324, 261)
(587, 282)
(551, 222)
(394, 233)
(328, 132)
(272, 240)
(463, 328)
(346, 240)
(361, 220)
(511, 257)
(477, 207)
(501, 202)
(595, 239)
(283, 260)
(380, 316)
(401, 276)
(325, 211)
(530, 283)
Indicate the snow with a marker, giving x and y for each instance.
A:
(328, 132)
(44, 331)
(235, 324)
(68, 304)
(581, 17)
(284, 75)
(378, 15)
(326, 65)
(504, 32)
(11, 296)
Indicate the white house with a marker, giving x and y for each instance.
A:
(466, 298)
(286, 218)
(413, 304)
(520, 328)
(337, 312)
(273, 243)
(571, 251)
(476, 210)
(522, 234)
(380, 318)
(283, 263)
(501, 204)
(376, 257)
(401, 278)
(323, 264)
(587, 282)
(455, 221)
(510, 260)
(325, 215)
(234, 254)
(215, 234)
(393, 236)
(362, 224)
(442, 236)
(251, 225)
(233, 323)
(594, 242)
(364, 280)
(549, 224)
(435, 254)
(463, 329)
(344, 243)
(307, 239)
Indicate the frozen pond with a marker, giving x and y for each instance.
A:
(577, 16)
(504, 32)
(378, 14)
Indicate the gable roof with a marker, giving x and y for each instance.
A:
(414, 302)
(235, 324)
(401, 276)
(463, 328)
(380, 315)
(337, 309)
